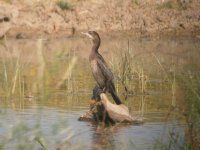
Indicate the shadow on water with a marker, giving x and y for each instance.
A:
(46, 84)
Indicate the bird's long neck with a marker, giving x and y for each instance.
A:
(95, 48)
(96, 45)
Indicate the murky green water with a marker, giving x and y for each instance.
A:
(46, 85)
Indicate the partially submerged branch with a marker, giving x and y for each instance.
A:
(102, 110)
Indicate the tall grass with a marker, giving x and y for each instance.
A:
(14, 73)
(15, 83)
(66, 79)
(179, 79)
(136, 72)
(129, 73)
(36, 75)
(189, 81)
(12, 80)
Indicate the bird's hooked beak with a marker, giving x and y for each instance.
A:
(87, 34)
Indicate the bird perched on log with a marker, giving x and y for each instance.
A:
(101, 72)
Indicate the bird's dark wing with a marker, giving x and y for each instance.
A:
(105, 70)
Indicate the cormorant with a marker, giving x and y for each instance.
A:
(101, 72)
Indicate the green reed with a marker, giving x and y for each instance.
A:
(136, 72)
(13, 79)
(66, 79)
(189, 81)
(186, 78)
(176, 78)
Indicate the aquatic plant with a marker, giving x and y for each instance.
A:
(11, 80)
(136, 72)
(66, 79)
(186, 78)
(189, 81)
(124, 69)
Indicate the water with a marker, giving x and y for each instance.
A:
(55, 125)
(46, 86)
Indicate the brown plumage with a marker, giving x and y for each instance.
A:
(101, 72)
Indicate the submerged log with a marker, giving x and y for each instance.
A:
(118, 113)
(102, 110)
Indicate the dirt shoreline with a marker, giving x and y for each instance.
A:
(25, 19)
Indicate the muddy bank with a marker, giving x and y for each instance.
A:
(25, 19)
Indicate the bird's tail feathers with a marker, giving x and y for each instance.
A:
(115, 98)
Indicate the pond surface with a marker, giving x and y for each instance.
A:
(46, 86)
